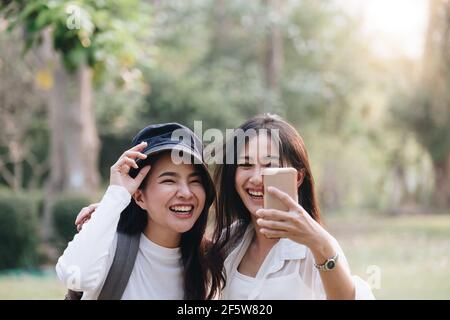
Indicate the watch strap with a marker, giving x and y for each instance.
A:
(324, 266)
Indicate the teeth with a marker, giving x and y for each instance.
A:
(256, 193)
(181, 208)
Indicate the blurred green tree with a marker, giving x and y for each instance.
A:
(23, 127)
(225, 61)
(427, 111)
(78, 42)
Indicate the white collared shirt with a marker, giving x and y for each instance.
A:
(288, 272)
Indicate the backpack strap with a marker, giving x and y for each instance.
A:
(122, 266)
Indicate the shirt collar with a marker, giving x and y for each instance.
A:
(286, 248)
(291, 250)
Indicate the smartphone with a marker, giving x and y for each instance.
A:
(284, 179)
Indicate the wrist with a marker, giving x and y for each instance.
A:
(119, 191)
(329, 264)
(323, 250)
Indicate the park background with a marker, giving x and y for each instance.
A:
(365, 82)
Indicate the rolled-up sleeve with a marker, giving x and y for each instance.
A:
(84, 263)
(362, 288)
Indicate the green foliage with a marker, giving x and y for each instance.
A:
(210, 68)
(425, 108)
(93, 32)
(210, 64)
(431, 126)
(18, 231)
(23, 115)
(65, 210)
(113, 145)
(327, 68)
(207, 63)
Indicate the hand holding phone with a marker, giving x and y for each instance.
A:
(284, 179)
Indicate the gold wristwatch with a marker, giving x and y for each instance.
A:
(329, 265)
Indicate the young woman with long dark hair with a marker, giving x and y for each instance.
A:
(274, 254)
(163, 203)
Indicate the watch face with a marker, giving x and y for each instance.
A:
(331, 264)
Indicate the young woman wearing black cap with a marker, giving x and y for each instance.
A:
(161, 204)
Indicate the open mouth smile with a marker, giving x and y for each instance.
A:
(255, 194)
(182, 211)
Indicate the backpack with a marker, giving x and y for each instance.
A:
(120, 271)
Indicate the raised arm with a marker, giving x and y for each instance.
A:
(85, 262)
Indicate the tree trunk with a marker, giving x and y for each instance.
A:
(436, 68)
(74, 142)
(442, 185)
(436, 62)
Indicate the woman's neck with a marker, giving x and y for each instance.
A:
(162, 236)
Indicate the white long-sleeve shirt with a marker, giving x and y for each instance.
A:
(287, 273)
(84, 265)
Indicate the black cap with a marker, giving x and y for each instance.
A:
(168, 136)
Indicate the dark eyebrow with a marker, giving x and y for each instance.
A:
(174, 174)
(168, 174)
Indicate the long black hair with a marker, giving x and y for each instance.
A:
(201, 277)
(229, 207)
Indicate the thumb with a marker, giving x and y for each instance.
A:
(142, 174)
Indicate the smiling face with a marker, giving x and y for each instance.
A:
(174, 197)
(260, 152)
